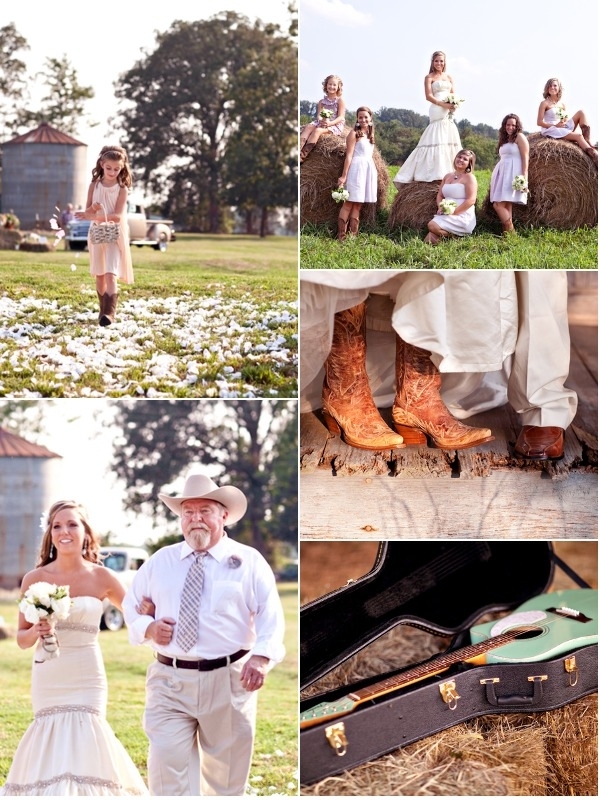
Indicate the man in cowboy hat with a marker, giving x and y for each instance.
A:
(216, 631)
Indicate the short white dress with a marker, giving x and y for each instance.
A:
(505, 171)
(113, 258)
(459, 224)
(361, 182)
(551, 117)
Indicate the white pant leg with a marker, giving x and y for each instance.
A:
(540, 367)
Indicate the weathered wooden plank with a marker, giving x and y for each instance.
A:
(504, 505)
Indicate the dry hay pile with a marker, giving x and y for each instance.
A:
(319, 176)
(548, 753)
(563, 187)
(414, 205)
(9, 239)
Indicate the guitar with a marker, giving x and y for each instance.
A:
(545, 626)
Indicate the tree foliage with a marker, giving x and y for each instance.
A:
(249, 444)
(13, 82)
(210, 91)
(63, 105)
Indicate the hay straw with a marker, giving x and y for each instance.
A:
(319, 175)
(563, 187)
(414, 205)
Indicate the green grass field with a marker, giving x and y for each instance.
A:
(275, 763)
(532, 248)
(213, 316)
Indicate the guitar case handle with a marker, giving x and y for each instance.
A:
(514, 699)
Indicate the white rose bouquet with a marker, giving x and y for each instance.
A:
(456, 102)
(340, 194)
(447, 206)
(46, 600)
(326, 113)
(519, 183)
(562, 114)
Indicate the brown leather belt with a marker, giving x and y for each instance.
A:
(204, 664)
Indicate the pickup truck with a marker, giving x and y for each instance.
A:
(125, 562)
(143, 230)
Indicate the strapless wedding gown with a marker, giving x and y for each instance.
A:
(433, 157)
(69, 748)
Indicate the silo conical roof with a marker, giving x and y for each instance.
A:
(12, 446)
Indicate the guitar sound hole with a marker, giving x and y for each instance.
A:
(531, 634)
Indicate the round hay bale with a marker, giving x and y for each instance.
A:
(414, 205)
(9, 239)
(319, 176)
(563, 187)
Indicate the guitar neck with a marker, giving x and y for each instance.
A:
(472, 652)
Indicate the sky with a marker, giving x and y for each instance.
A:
(104, 41)
(499, 55)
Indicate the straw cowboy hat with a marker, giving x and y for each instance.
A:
(201, 487)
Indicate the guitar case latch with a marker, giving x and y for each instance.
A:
(449, 694)
(572, 669)
(514, 699)
(336, 736)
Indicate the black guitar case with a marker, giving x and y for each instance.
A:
(443, 588)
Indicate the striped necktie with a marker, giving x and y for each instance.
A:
(189, 610)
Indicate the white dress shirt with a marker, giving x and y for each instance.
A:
(240, 606)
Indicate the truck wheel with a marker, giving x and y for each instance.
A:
(161, 245)
(112, 619)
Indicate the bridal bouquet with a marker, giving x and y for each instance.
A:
(519, 183)
(562, 114)
(46, 600)
(456, 101)
(340, 194)
(447, 206)
(325, 113)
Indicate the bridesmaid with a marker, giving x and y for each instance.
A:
(513, 148)
(555, 123)
(459, 186)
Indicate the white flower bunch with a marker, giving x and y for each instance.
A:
(340, 194)
(447, 206)
(519, 183)
(456, 102)
(326, 113)
(562, 114)
(46, 600)
(43, 600)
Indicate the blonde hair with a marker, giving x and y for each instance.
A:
(547, 87)
(91, 551)
(340, 84)
(114, 153)
(433, 57)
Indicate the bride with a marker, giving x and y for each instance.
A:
(434, 155)
(69, 748)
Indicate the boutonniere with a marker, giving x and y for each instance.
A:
(234, 562)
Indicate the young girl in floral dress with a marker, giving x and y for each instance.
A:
(331, 115)
(107, 201)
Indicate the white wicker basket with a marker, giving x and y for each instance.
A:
(104, 232)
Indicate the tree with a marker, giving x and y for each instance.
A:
(187, 99)
(12, 76)
(250, 444)
(64, 104)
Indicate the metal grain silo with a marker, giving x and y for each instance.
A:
(42, 169)
(25, 489)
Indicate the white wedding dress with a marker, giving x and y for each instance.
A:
(69, 748)
(433, 157)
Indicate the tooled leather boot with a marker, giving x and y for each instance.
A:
(353, 225)
(342, 229)
(419, 410)
(347, 403)
(586, 133)
(110, 307)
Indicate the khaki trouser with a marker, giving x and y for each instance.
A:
(200, 727)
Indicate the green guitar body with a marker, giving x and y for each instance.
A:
(557, 631)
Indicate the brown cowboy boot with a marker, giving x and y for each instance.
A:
(305, 152)
(102, 303)
(353, 224)
(586, 133)
(418, 408)
(593, 154)
(110, 308)
(342, 229)
(348, 406)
